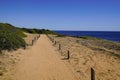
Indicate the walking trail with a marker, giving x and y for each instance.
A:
(41, 62)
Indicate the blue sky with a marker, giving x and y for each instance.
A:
(90, 15)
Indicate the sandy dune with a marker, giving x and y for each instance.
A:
(85, 55)
(42, 62)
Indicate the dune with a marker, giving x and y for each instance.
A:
(38, 62)
(45, 61)
(102, 56)
(41, 62)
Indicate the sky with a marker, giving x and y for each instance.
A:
(83, 15)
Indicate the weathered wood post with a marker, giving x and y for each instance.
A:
(25, 46)
(55, 42)
(32, 42)
(51, 39)
(68, 54)
(59, 46)
(92, 74)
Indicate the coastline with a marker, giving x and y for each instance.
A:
(106, 35)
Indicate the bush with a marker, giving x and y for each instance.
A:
(38, 31)
(11, 38)
(11, 29)
(61, 35)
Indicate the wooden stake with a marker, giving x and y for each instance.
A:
(32, 42)
(92, 74)
(55, 42)
(68, 54)
(59, 46)
(24, 46)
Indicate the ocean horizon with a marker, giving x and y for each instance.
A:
(106, 35)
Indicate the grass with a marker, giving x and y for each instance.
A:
(89, 38)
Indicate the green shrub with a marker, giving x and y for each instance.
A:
(38, 31)
(60, 35)
(11, 29)
(11, 38)
(29, 30)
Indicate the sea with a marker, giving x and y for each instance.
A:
(107, 35)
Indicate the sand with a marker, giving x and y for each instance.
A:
(9, 59)
(44, 61)
(41, 62)
(85, 56)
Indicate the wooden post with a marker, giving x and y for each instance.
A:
(55, 42)
(24, 46)
(92, 74)
(68, 54)
(59, 46)
(51, 39)
(32, 42)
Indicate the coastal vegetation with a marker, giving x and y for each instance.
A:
(89, 38)
(11, 37)
(61, 35)
(86, 52)
(38, 31)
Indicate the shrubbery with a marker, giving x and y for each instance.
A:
(38, 31)
(61, 35)
(11, 38)
(11, 29)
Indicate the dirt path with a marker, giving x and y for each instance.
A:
(41, 62)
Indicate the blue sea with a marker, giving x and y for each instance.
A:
(107, 35)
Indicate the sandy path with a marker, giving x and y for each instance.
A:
(42, 62)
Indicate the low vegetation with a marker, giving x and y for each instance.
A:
(11, 38)
(98, 44)
(89, 38)
(61, 35)
(38, 31)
